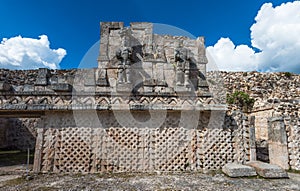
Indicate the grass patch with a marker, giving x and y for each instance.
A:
(15, 157)
(213, 172)
(124, 175)
(15, 182)
(294, 171)
(45, 188)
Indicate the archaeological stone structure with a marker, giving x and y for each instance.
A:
(149, 106)
(276, 112)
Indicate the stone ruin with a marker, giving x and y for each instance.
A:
(149, 106)
(276, 112)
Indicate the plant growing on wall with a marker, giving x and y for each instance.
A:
(288, 74)
(241, 99)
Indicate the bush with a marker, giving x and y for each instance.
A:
(241, 100)
(288, 74)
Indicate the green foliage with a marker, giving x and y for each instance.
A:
(241, 99)
(288, 74)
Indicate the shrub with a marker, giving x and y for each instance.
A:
(288, 74)
(241, 99)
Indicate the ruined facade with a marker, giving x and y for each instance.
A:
(150, 105)
(276, 112)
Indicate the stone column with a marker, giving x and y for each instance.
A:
(39, 146)
(278, 150)
(252, 139)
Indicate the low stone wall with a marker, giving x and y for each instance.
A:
(84, 144)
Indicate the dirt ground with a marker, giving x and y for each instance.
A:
(15, 178)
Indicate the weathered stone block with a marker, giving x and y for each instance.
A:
(202, 83)
(41, 81)
(101, 78)
(182, 89)
(43, 75)
(61, 87)
(124, 87)
(268, 170)
(238, 170)
(149, 82)
(28, 88)
(4, 86)
(89, 79)
(278, 150)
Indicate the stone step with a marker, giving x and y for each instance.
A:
(267, 170)
(238, 170)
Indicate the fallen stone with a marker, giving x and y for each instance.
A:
(268, 170)
(238, 170)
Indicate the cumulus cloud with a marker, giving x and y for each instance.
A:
(275, 34)
(28, 53)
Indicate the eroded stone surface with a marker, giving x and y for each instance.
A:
(268, 170)
(152, 86)
(146, 181)
(238, 170)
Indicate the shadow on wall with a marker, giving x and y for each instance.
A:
(16, 136)
(123, 143)
(18, 133)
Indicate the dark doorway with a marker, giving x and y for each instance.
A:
(262, 151)
(17, 142)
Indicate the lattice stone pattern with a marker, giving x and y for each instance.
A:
(63, 146)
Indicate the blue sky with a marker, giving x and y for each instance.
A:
(73, 25)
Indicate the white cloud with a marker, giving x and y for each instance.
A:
(228, 56)
(28, 53)
(275, 34)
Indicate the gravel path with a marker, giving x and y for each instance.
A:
(145, 181)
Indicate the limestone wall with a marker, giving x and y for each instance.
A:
(267, 88)
(293, 133)
(276, 95)
(82, 144)
(261, 123)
